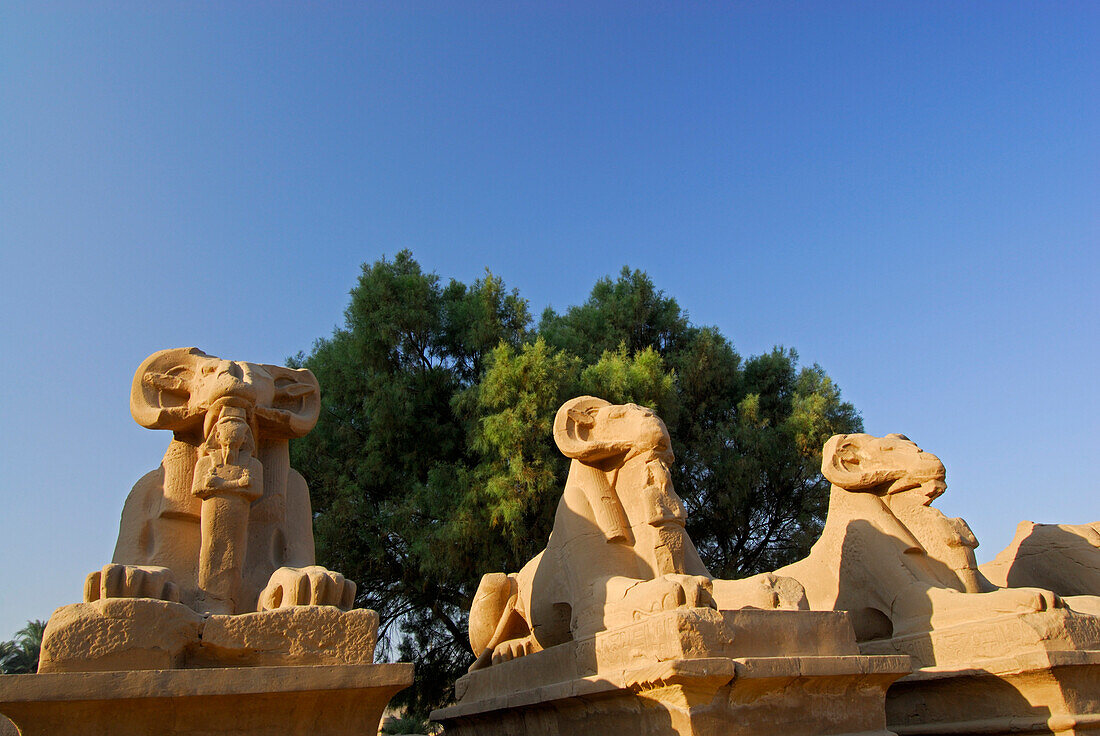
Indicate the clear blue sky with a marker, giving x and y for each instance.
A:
(909, 194)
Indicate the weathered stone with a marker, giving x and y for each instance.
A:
(340, 700)
(300, 635)
(887, 556)
(976, 644)
(618, 627)
(1064, 558)
(147, 634)
(989, 660)
(619, 549)
(119, 634)
(1037, 693)
(690, 671)
(224, 525)
(213, 604)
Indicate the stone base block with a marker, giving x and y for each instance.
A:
(1036, 693)
(146, 634)
(808, 696)
(1017, 673)
(333, 700)
(687, 672)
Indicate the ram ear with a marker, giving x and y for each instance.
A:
(161, 389)
(846, 462)
(295, 405)
(572, 429)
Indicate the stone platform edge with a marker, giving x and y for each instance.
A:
(169, 684)
(714, 671)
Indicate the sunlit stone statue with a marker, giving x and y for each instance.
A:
(224, 524)
(618, 550)
(985, 655)
(896, 563)
(213, 576)
(617, 625)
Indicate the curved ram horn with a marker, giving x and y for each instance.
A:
(571, 428)
(844, 464)
(295, 405)
(160, 391)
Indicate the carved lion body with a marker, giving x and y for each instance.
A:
(1064, 558)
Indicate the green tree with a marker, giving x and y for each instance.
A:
(747, 434)
(19, 656)
(389, 462)
(629, 312)
(433, 461)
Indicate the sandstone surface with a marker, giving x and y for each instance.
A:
(618, 627)
(146, 634)
(988, 659)
(340, 700)
(1064, 558)
(213, 617)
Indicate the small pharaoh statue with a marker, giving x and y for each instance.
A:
(228, 478)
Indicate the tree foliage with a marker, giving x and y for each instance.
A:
(19, 656)
(433, 461)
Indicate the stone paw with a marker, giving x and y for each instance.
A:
(513, 649)
(666, 593)
(131, 581)
(307, 586)
(767, 591)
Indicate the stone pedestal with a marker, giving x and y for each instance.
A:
(319, 700)
(144, 634)
(1035, 673)
(1040, 693)
(687, 672)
